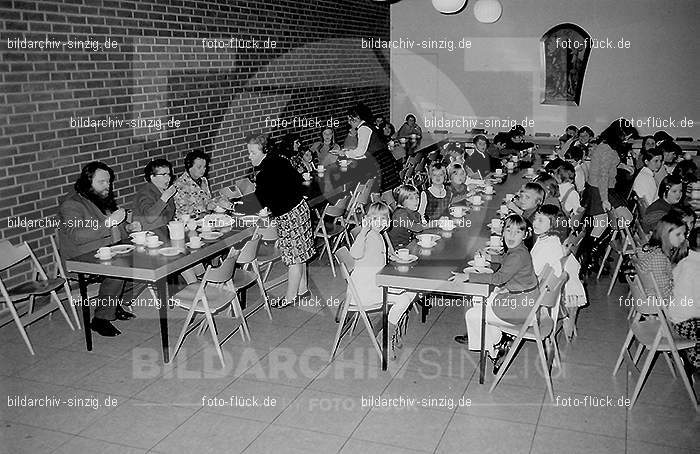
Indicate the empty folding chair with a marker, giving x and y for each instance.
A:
(40, 284)
(249, 273)
(214, 293)
(269, 254)
(73, 293)
(334, 231)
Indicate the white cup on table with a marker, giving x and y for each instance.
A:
(495, 225)
(104, 253)
(488, 189)
(499, 171)
(195, 241)
(479, 261)
(139, 237)
(306, 176)
(403, 254)
(476, 200)
(495, 241)
(503, 210)
(320, 168)
(530, 171)
(152, 240)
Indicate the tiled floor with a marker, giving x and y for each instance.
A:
(307, 405)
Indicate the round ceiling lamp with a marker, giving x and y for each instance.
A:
(449, 6)
(487, 11)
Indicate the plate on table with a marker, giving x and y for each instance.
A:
(478, 270)
(411, 258)
(211, 235)
(427, 245)
(529, 176)
(147, 232)
(218, 220)
(122, 248)
(169, 251)
(430, 237)
(494, 250)
(473, 263)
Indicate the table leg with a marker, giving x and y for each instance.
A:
(85, 306)
(162, 289)
(385, 328)
(482, 353)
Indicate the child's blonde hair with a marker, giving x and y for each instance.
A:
(405, 191)
(379, 209)
(437, 167)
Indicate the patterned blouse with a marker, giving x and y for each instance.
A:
(190, 197)
(655, 261)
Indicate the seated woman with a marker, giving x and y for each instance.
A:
(153, 205)
(567, 139)
(326, 149)
(409, 128)
(350, 141)
(516, 140)
(644, 184)
(388, 131)
(670, 192)
(657, 255)
(512, 299)
(304, 161)
(685, 318)
(193, 196)
(497, 152)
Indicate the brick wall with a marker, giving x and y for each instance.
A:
(155, 69)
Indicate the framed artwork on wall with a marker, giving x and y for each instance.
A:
(564, 51)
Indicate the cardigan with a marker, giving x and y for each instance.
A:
(547, 251)
(150, 210)
(278, 186)
(191, 198)
(602, 171)
(403, 223)
(515, 274)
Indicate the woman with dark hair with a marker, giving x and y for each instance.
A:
(193, 195)
(279, 190)
(326, 147)
(600, 190)
(581, 144)
(670, 192)
(388, 131)
(154, 206)
(409, 128)
(289, 146)
(371, 145)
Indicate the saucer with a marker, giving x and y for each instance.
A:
(122, 248)
(429, 236)
(169, 251)
(478, 204)
(478, 270)
(154, 245)
(411, 258)
(97, 256)
(147, 232)
(189, 245)
(473, 263)
(211, 235)
(427, 246)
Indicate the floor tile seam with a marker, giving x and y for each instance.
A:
(595, 434)
(38, 382)
(97, 439)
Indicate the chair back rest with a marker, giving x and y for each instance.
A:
(653, 300)
(363, 197)
(621, 218)
(337, 209)
(229, 194)
(573, 242)
(375, 197)
(10, 255)
(249, 251)
(60, 270)
(576, 218)
(223, 272)
(345, 259)
(355, 195)
(642, 303)
(388, 198)
(550, 288)
(267, 232)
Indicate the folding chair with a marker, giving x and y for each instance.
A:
(245, 186)
(654, 334)
(337, 230)
(357, 306)
(351, 212)
(621, 241)
(245, 277)
(209, 296)
(538, 326)
(269, 253)
(40, 284)
(73, 293)
(573, 242)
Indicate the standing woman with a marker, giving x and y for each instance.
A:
(370, 144)
(605, 158)
(279, 189)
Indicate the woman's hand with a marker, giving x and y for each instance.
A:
(115, 218)
(134, 227)
(168, 193)
(607, 206)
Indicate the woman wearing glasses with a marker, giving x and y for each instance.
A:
(154, 205)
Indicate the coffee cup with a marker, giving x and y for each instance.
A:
(425, 242)
(104, 253)
(206, 226)
(152, 240)
(495, 225)
(306, 175)
(320, 168)
(139, 237)
(343, 162)
(488, 189)
(479, 260)
(530, 171)
(503, 210)
(403, 253)
(195, 241)
(458, 212)
(414, 136)
(499, 171)
(476, 200)
(495, 241)
(510, 166)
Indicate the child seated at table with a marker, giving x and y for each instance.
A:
(405, 220)
(550, 227)
(568, 195)
(304, 161)
(551, 189)
(497, 153)
(457, 187)
(512, 299)
(529, 198)
(476, 158)
(453, 154)
(370, 253)
(435, 201)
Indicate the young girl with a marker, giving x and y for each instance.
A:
(435, 201)
(656, 256)
(568, 196)
(370, 253)
(457, 187)
(304, 161)
(406, 219)
(515, 292)
(550, 227)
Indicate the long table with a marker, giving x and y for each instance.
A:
(430, 272)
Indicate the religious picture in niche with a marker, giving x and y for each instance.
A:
(565, 49)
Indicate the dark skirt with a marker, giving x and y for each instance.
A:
(296, 240)
(594, 202)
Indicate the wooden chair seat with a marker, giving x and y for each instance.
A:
(268, 253)
(243, 279)
(646, 332)
(217, 297)
(28, 289)
(546, 327)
